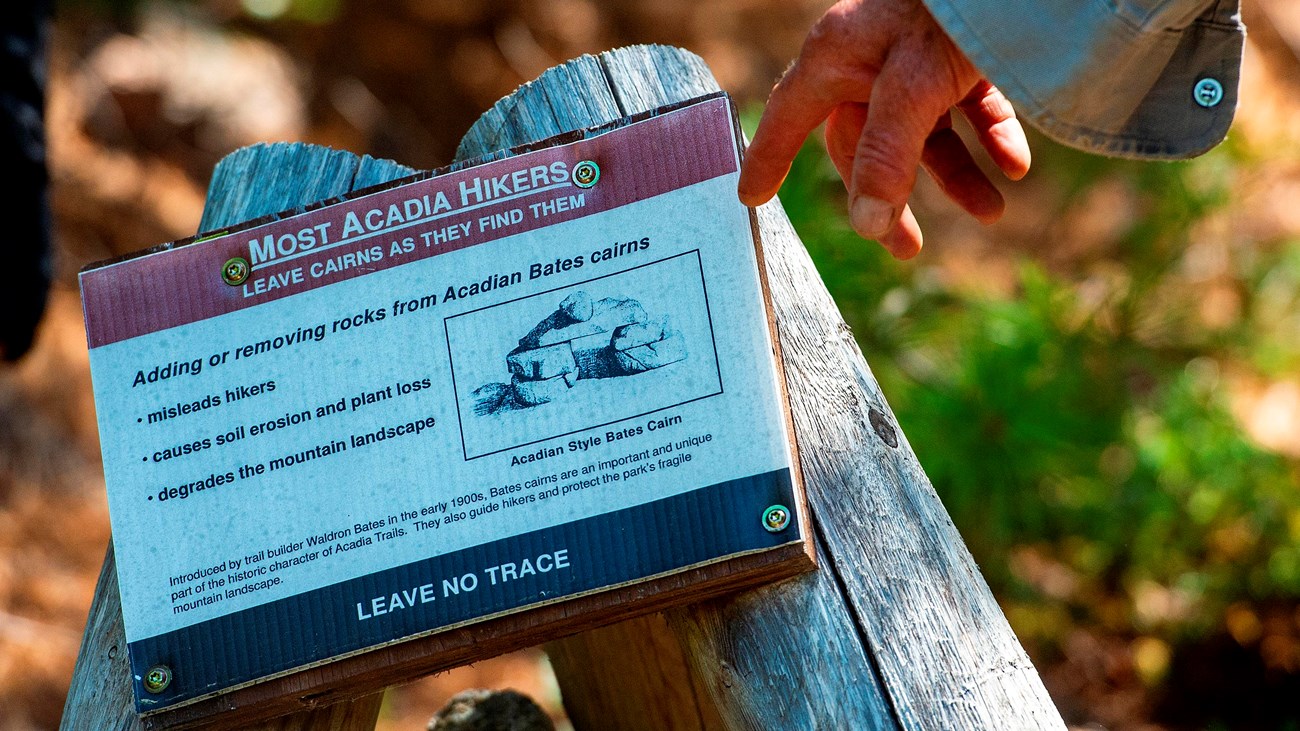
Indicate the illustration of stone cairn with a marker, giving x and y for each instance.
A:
(583, 338)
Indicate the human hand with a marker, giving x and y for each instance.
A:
(884, 77)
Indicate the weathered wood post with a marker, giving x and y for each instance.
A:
(897, 629)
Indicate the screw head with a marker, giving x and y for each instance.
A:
(157, 678)
(585, 174)
(235, 271)
(1208, 92)
(776, 518)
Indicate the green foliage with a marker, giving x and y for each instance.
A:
(1086, 414)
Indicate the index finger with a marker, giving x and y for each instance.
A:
(799, 102)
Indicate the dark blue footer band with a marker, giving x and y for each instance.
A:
(600, 551)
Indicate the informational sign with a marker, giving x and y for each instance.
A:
(474, 394)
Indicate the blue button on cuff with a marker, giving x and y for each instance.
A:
(1208, 92)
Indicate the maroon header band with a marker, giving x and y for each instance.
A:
(438, 215)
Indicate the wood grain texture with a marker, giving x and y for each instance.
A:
(99, 698)
(266, 179)
(632, 676)
(898, 626)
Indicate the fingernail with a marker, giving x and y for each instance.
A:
(756, 198)
(750, 189)
(746, 195)
(871, 217)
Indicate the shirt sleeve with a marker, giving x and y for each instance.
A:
(1127, 78)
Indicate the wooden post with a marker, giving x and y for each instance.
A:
(897, 629)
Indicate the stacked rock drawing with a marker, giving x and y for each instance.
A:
(583, 338)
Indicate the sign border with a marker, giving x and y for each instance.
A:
(404, 659)
(712, 334)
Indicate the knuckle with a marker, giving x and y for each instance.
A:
(935, 92)
(819, 44)
(997, 107)
(829, 29)
(833, 84)
(820, 84)
(832, 40)
(884, 167)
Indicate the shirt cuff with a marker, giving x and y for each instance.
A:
(1162, 85)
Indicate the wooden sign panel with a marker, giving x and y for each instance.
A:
(507, 391)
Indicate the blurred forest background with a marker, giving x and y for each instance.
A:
(1104, 387)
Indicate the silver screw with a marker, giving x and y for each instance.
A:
(586, 174)
(776, 518)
